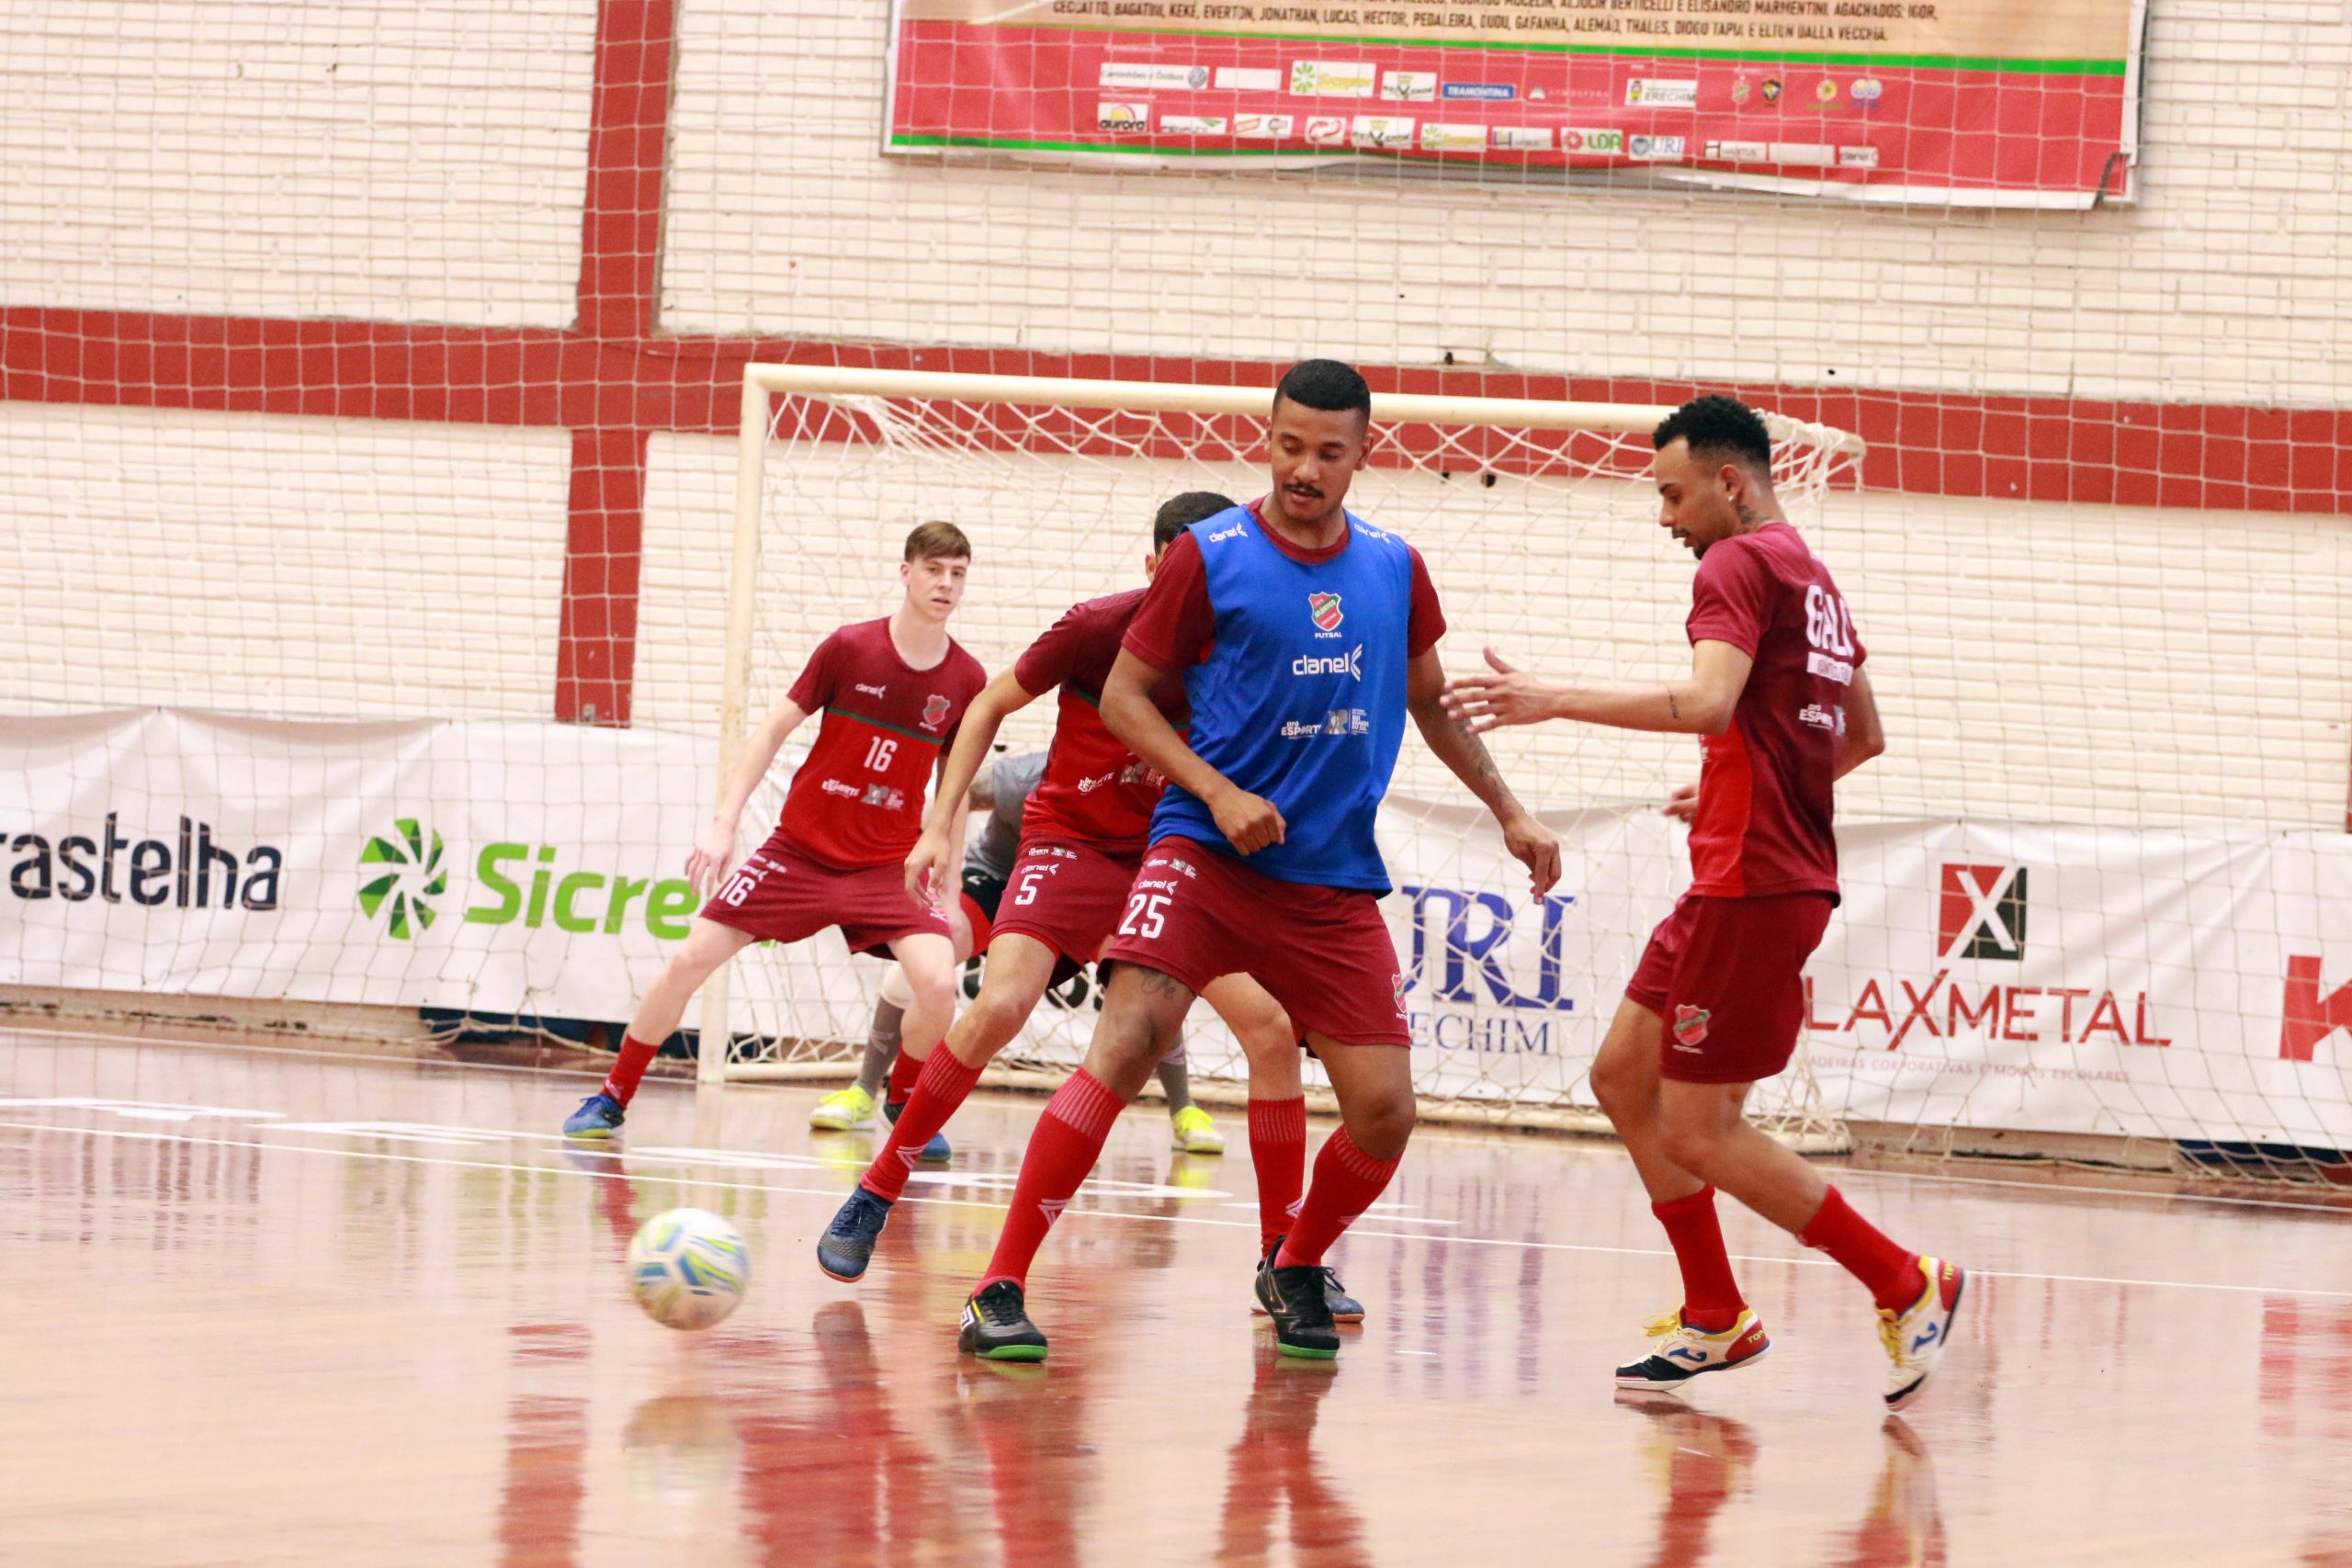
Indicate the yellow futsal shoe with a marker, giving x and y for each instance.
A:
(1195, 1133)
(846, 1110)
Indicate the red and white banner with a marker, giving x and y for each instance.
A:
(2057, 980)
(1970, 102)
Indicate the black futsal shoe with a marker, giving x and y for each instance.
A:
(996, 1327)
(848, 1246)
(1294, 1299)
(1344, 1307)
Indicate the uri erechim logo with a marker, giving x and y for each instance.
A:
(411, 874)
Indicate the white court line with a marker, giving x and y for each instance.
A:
(834, 1195)
(1431, 1130)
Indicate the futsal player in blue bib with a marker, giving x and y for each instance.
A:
(1304, 636)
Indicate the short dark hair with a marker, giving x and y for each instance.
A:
(1718, 427)
(1180, 513)
(938, 541)
(1325, 384)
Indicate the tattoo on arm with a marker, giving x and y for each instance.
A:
(1673, 706)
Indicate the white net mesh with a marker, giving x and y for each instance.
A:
(1541, 541)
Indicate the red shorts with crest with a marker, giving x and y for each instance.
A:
(1196, 915)
(1728, 976)
(780, 894)
(1066, 896)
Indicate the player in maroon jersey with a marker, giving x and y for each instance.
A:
(1777, 691)
(1083, 836)
(891, 692)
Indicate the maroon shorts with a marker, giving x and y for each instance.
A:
(780, 894)
(1068, 897)
(1323, 952)
(1727, 977)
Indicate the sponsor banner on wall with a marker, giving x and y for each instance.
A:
(2056, 980)
(1974, 102)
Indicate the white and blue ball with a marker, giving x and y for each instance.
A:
(688, 1269)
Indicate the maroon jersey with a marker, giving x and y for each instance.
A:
(1094, 791)
(857, 800)
(1763, 826)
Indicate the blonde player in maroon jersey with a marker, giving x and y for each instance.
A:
(1777, 691)
(891, 692)
(1082, 835)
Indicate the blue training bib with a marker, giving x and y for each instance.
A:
(1302, 699)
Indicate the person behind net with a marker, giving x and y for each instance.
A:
(1303, 638)
(1777, 693)
(891, 692)
(1081, 835)
(1002, 790)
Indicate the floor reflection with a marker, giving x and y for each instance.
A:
(1271, 1472)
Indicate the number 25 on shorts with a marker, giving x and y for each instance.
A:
(1146, 916)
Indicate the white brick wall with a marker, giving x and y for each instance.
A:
(2096, 664)
(395, 159)
(2227, 282)
(295, 567)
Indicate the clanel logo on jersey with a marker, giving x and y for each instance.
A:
(872, 691)
(1324, 608)
(1350, 663)
(1233, 532)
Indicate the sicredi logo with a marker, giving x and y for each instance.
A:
(1981, 912)
(404, 874)
(193, 871)
(514, 883)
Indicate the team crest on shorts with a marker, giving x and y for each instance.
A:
(1324, 608)
(1397, 987)
(934, 711)
(1691, 1024)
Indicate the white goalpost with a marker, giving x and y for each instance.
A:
(1534, 518)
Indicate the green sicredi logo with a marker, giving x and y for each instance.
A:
(516, 882)
(410, 865)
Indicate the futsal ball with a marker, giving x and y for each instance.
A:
(688, 1269)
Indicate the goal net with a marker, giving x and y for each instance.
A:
(1538, 522)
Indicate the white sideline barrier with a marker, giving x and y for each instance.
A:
(1992, 976)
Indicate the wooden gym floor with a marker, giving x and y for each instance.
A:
(273, 1306)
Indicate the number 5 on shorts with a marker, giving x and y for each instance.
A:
(1029, 879)
(1146, 916)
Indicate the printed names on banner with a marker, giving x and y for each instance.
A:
(1845, 97)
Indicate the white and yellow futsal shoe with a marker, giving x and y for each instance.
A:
(1915, 1337)
(1681, 1352)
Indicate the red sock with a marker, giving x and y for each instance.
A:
(941, 1088)
(1711, 1299)
(1068, 1140)
(628, 1069)
(905, 1073)
(1890, 1274)
(1347, 1183)
(1278, 1152)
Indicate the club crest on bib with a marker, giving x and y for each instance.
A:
(934, 711)
(1325, 609)
(1691, 1024)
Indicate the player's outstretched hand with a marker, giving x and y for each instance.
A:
(1535, 846)
(927, 869)
(1249, 821)
(1683, 803)
(708, 861)
(1506, 696)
